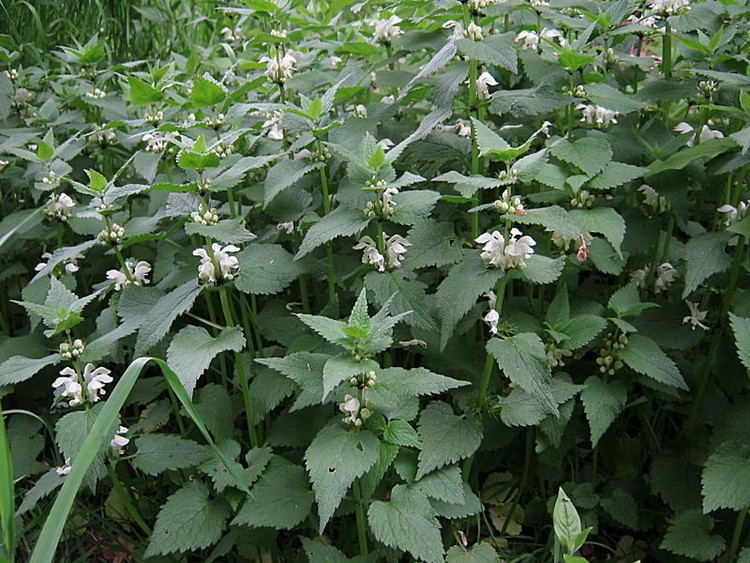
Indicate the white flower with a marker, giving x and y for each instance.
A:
(665, 276)
(370, 253)
(230, 34)
(474, 32)
(387, 30)
(286, 227)
(70, 264)
(493, 251)
(462, 128)
(552, 35)
(335, 61)
(696, 316)
(60, 207)
(95, 379)
(3, 165)
(732, 213)
(279, 69)
(96, 94)
(477, 5)
(275, 131)
(597, 115)
(683, 127)
(484, 82)
(510, 203)
(386, 144)
(457, 27)
(668, 6)
(706, 133)
(64, 469)
(652, 199)
(395, 248)
(639, 277)
(506, 254)
(158, 141)
(222, 258)
(350, 407)
(68, 391)
(528, 40)
(138, 271)
(360, 111)
(493, 316)
(119, 441)
(519, 248)
(279, 33)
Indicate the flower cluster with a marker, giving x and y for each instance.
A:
(219, 265)
(395, 249)
(503, 254)
(608, 359)
(279, 69)
(205, 215)
(71, 350)
(73, 389)
(597, 115)
(111, 235)
(386, 31)
(60, 206)
(136, 273)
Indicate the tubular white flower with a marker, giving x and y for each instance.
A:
(597, 115)
(665, 276)
(64, 469)
(553, 35)
(370, 253)
(119, 440)
(60, 207)
(68, 391)
(222, 258)
(138, 271)
(279, 69)
(668, 6)
(396, 247)
(528, 40)
(95, 379)
(732, 213)
(286, 227)
(519, 248)
(696, 316)
(387, 30)
(484, 82)
(457, 27)
(474, 32)
(493, 251)
(639, 277)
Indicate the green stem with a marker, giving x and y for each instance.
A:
(667, 240)
(524, 478)
(240, 359)
(126, 500)
(739, 524)
(330, 274)
(123, 264)
(666, 59)
(360, 514)
(232, 204)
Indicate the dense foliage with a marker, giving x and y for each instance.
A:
(435, 281)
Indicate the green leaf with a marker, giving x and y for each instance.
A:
(690, 535)
(406, 295)
(726, 478)
(527, 102)
(603, 220)
(167, 452)
(70, 434)
(552, 218)
(590, 154)
(433, 244)
(567, 523)
(644, 356)
(188, 521)
(281, 499)
(228, 231)
(445, 484)
(605, 95)
(306, 370)
(266, 269)
(142, 93)
(679, 160)
(616, 174)
(460, 289)
(602, 402)
(341, 222)
(342, 367)
(479, 553)
(319, 552)
(160, 318)
(446, 438)
(496, 49)
(741, 330)
(407, 521)
(284, 175)
(334, 459)
(580, 330)
(467, 186)
(705, 257)
(626, 302)
(18, 368)
(521, 409)
(542, 269)
(401, 433)
(524, 361)
(206, 92)
(413, 206)
(193, 348)
(45, 151)
(471, 506)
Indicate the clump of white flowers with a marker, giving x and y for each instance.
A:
(3, 165)
(51, 179)
(359, 111)
(492, 317)
(732, 214)
(708, 88)
(528, 39)
(503, 254)
(232, 34)
(395, 249)
(484, 82)
(73, 389)
(553, 35)
(460, 128)
(706, 134)
(668, 6)
(696, 316)
(286, 227)
(70, 264)
(474, 32)
(599, 116)
(11, 73)
(154, 118)
(60, 207)
(510, 203)
(279, 69)
(71, 350)
(157, 141)
(137, 274)
(275, 130)
(354, 412)
(665, 277)
(653, 200)
(383, 206)
(111, 235)
(205, 215)
(119, 440)
(386, 31)
(220, 265)
(96, 94)
(64, 469)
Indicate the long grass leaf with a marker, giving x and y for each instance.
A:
(7, 494)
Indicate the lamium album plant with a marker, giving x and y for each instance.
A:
(341, 280)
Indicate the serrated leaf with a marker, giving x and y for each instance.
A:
(341, 222)
(433, 244)
(689, 535)
(496, 49)
(446, 438)
(306, 370)
(189, 520)
(444, 484)
(468, 185)
(406, 295)
(166, 452)
(726, 478)
(644, 356)
(401, 433)
(552, 218)
(334, 459)
(266, 269)
(581, 330)
(602, 402)
(741, 330)
(228, 231)
(407, 521)
(679, 160)
(342, 367)
(543, 269)
(606, 96)
(589, 154)
(413, 206)
(19, 368)
(454, 511)
(603, 220)
(206, 92)
(193, 348)
(284, 175)
(281, 499)
(705, 257)
(524, 361)
(479, 553)
(616, 174)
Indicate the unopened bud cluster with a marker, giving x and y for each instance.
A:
(510, 204)
(364, 380)
(356, 411)
(216, 121)
(51, 179)
(610, 57)
(154, 118)
(205, 215)
(582, 200)
(222, 151)
(556, 355)
(608, 359)
(111, 235)
(204, 184)
(96, 94)
(12, 74)
(71, 351)
(708, 88)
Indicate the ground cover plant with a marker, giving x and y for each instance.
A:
(356, 281)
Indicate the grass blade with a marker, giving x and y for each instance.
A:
(7, 494)
(46, 545)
